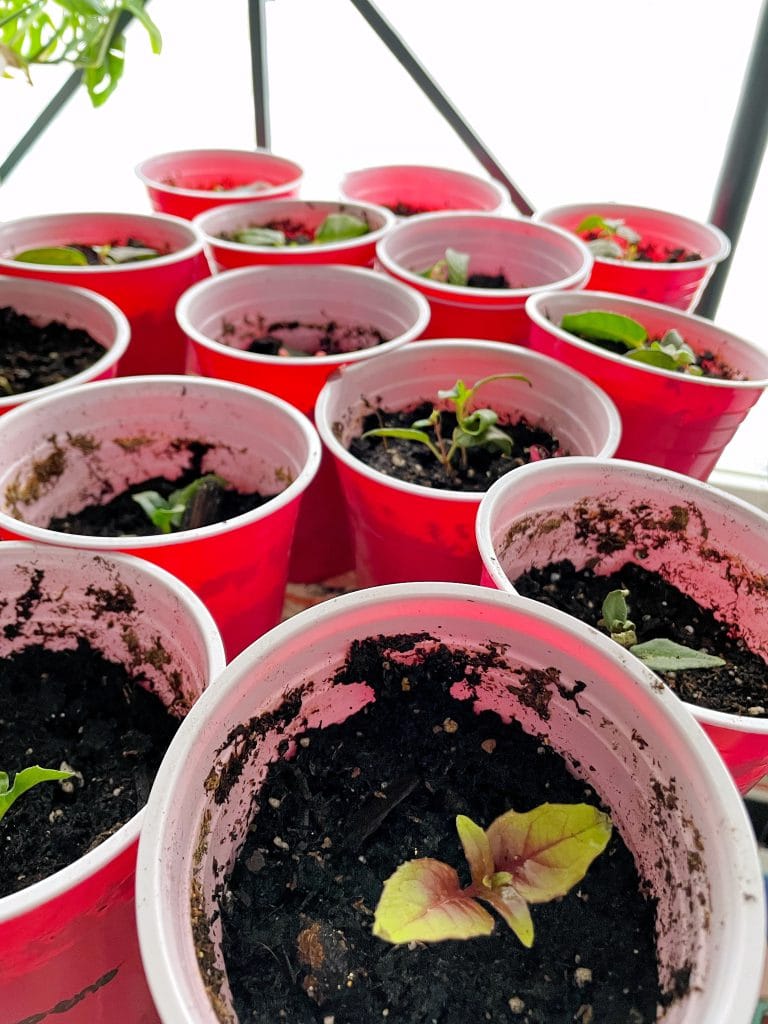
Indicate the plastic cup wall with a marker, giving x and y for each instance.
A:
(405, 532)
(670, 420)
(110, 435)
(630, 743)
(424, 189)
(706, 543)
(69, 941)
(146, 291)
(534, 257)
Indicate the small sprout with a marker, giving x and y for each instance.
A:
(659, 655)
(473, 429)
(452, 269)
(519, 860)
(670, 352)
(259, 236)
(24, 780)
(168, 513)
(608, 238)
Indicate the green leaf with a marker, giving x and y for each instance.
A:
(259, 236)
(185, 494)
(668, 656)
(497, 438)
(423, 902)
(59, 256)
(24, 780)
(508, 902)
(337, 227)
(592, 223)
(136, 8)
(653, 357)
(615, 611)
(401, 433)
(127, 253)
(549, 849)
(478, 422)
(477, 849)
(605, 249)
(458, 267)
(600, 325)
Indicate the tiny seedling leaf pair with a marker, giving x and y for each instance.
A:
(475, 429)
(24, 780)
(168, 513)
(452, 269)
(670, 352)
(521, 859)
(660, 655)
(614, 240)
(337, 227)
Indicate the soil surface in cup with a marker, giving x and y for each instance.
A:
(401, 209)
(413, 462)
(358, 799)
(296, 338)
(660, 611)
(642, 251)
(36, 355)
(74, 710)
(122, 516)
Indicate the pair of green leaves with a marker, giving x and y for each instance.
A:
(452, 269)
(606, 246)
(24, 780)
(473, 429)
(87, 34)
(521, 859)
(670, 352)
(659, 655)
(167, 513)
(87, 255)
(337, 227)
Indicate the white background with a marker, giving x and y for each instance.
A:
(578, 99)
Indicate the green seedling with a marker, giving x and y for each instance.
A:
(24, 780)
(337, 227)
(452, 269)
(87, 255)
(87, 34)
(473, 429)
(659, 655)
(670, 352)
(168, 513)
(521, 859)
(615, 240)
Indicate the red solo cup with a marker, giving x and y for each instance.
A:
(70, 949)
(668, 793)
(673, 284)
(669, 419)
(190, 181)
(95, 440)
(225, 255)
(405, 532)
(350, 296)
(146, 291)
(75, 308)
(534, 257)
(718, 556)
(425, 189)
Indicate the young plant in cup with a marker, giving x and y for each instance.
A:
(336, 227)
(614, 239)
(453, 269)
(24, 780)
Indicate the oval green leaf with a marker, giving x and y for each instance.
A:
(58, 256)
(338, 227)
(477, 849)
(601, 325)
(668, 656)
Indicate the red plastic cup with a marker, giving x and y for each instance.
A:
(190, 181)
(355, 252)
(719, 556)
(673, 284)
(671, 420)
(534, 257)
(425, 189)
(145, 291)
(405, 532)
(70, 950)
(349, 296)
(95, 440)
(75, 308)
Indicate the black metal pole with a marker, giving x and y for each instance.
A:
(40, 124)
(433, 92)
(742, 160)
(258, 26)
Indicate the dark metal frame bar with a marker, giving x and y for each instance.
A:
(258, 26)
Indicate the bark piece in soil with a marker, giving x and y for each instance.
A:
(660, 611)
(121, 516)
(35, 356)
(77, 707)
(414, 463)
(298, 907)
(488, 281)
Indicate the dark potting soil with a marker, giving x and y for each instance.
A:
(73, 708)
(407, 210)
(414, 463)
(660, 611)
(488, 281)
(34, 356)
(289, 338)
(121, 516)
(360, 798)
